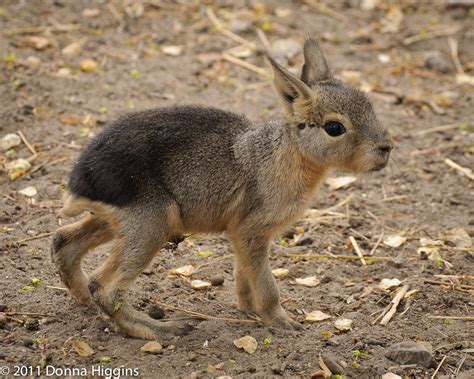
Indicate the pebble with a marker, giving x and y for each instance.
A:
(409, 352)
(434, 60)
(331, 362)
(240, 25)
(156, 312)
(31, 324)
(217, 280)
(3, 307)
(10, 140)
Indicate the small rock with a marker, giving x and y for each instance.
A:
(73, 48)
(31, 324)
(391, 375)
(10, 140)
(156, 312)
(434, 60)
(278, 369)
(3, 321)
(27, 342)
(32, 62)
(3, 307)
(88, 65)
(331, 362)
(217, 280)
(91, 12)
(28, 191)
(409, 352)
(174, 51)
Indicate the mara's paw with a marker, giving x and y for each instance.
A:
(286, 324)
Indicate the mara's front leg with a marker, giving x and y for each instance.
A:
(256, 288)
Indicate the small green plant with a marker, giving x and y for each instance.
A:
(267, 341)
(357, 354)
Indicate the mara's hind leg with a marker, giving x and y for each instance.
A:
(70, 244)
(142, 234)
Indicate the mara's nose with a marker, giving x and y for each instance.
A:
(385, 147)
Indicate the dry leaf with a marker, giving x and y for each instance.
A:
(343, 324)
(200, 284)
(391, 375)
(385, 284)
(280, 273)
(83, 349)
(28, 191)
(187, 270)
(173, 50)
(151, 347)
(394, 240)
(315, 316)
(309, 281)
(17, 168)
(10, 140)
(340, 182)
(465, 79)
(88, 65)
(248, 343)
(459, 237)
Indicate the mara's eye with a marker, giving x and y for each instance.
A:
(334, 128)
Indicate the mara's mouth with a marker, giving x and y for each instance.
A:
(379, 166)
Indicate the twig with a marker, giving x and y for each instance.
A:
(436, 129)
(263, 38)
(394, 304)
(28, 314)
(202, 316)
(221, 29)
(39, 29)
(377, 244)
(359, 234)
(357, 250)
(325, 256)
(438, 33)
(57, 288)
(247, 65)
(322, 212)
(437, 368)
(440, 283)
(392, 198)
(25, 141)
(466, 171)
(464, 318)
(453, 47)
(39, 236)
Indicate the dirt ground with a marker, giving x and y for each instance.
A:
(59, 102)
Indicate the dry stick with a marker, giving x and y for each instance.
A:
(263, 38)
(463, 318)
(439, 283)
(318, 213)
(325, 256)
(377, 244)
(220, 28)
(202, 315)
(212, 261)
(358, 250)
(39, 236)
(435, 34)
(39, 29)
(466, 171)
(28, 314)
(57, 288)
(436, 129)
(396, 300)
(437, 368)
(247, 65)
(453, 47)
(25, 141)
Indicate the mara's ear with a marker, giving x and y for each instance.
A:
(288, 86)
(315, 68)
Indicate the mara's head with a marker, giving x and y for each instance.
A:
(334, 125)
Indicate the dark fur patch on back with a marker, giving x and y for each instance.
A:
(131, 156)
